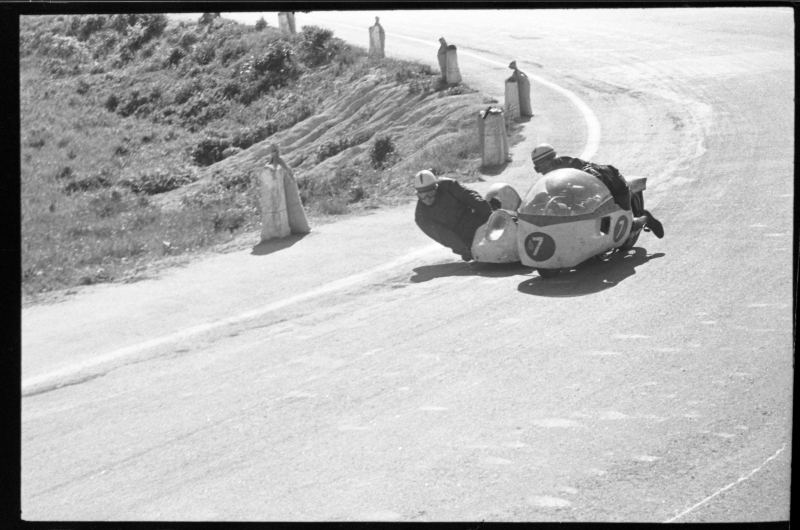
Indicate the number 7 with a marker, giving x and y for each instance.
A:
(538, 241)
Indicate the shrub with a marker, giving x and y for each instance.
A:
(249, 136)
(188, 39)
(261, 24)
(131, 103)
(204, 53)
(229, 219)
(83, 87)
(64, 173)
(83, 26)
(87, 184)
(111, 103)
(207, 18)
(185, 92)
(209, 150)
(380, 151)
(231, 52)
(153, 182)
(174, 57)
(316, 45)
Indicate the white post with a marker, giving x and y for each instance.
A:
(377, 37)
(512, 98)
(441, 56)
(274, 218)
(524, 89)
(492, 137)
(453, 74)
(286, 22)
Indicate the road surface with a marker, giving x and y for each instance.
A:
(365, 373)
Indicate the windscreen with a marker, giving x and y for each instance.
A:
(565, 192)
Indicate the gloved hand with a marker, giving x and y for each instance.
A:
(467, 255)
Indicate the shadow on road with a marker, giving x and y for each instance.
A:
(490, 270)
(589, 277)
(274, 245)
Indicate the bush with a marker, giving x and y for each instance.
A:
(82, 26)
(131, 103)
(261, 24)
(209, 150)
(316, 45)
(83, 87)
(188, 39)
(204, 53)
(111, 103)
(231, 52)
(87, 184)
(153, 182)
(380, 151)
(64, 173)
(174, 57)
(207, 18)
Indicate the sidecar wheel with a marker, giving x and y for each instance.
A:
(548, 273)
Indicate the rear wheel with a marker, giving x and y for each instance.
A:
(637, 205)
(548, 273)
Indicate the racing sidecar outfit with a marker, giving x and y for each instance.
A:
(455, 215)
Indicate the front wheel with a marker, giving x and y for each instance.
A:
(548, 273)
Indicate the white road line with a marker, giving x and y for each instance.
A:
(56, 378)
(729, 486)
(592, 123)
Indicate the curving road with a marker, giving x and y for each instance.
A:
(362, 373)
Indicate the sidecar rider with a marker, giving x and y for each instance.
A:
(545, 160)
(448, 212)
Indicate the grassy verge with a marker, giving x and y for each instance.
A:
(119, 111)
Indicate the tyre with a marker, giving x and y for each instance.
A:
(548, 273)
(637, 205)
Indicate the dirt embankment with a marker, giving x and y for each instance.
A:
(366, 109)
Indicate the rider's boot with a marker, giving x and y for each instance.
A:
(652, 223)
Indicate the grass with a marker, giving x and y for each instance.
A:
(117, 110)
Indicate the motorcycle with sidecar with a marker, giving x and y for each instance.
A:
(567, 217)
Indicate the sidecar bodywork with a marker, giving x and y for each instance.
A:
(567, 217)
(496, 241)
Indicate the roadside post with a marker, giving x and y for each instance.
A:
(441, 56)
(377, 38)
(512, 98)
(492, 136)
(274, 217)
(453, 74)
(523, 90)
(286, 22)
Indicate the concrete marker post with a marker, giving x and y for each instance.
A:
(377, 39)
(441, 56)
(286, 22)
(492, 137)
(453, 74)
(512, 107)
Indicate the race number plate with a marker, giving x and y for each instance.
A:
(620, 228)
(540, 246)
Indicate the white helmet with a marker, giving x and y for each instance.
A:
(424, 181)
(541, 152)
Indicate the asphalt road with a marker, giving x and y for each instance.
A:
(364, 373)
